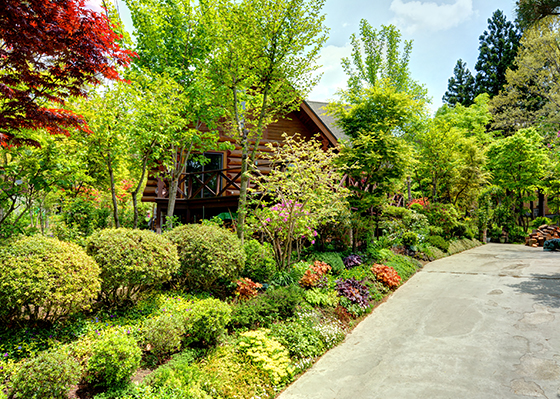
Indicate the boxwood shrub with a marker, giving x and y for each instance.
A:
(207, 253)
(131, 261)
(44, 279)
(259, 264)
(206, 321)
(49, 375)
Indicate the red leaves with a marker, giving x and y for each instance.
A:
(387, 275)
(247, 288)
(52, 50)
(314, 274)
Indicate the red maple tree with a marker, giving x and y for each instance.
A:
(51, 50)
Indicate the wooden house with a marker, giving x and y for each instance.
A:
(206, 191)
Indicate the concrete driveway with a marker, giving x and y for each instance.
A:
(481, 324)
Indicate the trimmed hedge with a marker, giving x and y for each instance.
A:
(44, 279)
(131, 261)
(207, 253)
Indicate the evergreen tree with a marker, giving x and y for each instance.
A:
(531, 11)
(498, 47)
(460, 87)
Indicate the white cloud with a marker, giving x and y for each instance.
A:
(414, 16)
(333, 77)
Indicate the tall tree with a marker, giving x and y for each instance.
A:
(531, 11)
(531, 96)
(497, 50)
(50, 51)
(377, 57)
(460, 87)
(264, 62)
(176, 39)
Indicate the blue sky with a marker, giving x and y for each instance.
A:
(442, 32)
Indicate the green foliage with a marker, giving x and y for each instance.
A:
(377, 57)
(84, 216)
(207, 253)
(267, 354)
(115, 358)
(462, 245)
(540, 220)
(162, 335)
(321, 297)
(297, 199)
(460, 87)
(50, 375)
(409, 238)
(259, 264)
(404, 266)
(433, 253)
(131, 261)
(44, 279)
(498, 47)
(275, 304)
(206, 321)
(438, 242)
(444, 216)
(333, 259)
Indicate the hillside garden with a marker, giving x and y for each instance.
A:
(94, 304)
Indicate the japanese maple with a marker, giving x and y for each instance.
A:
(51, 50)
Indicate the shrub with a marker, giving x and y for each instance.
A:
(206, 321)
(438, 242)
(517, 234)
(131, 261)
(463, 245)
(352, 260)
(314, 274)
(387, 275)
(354, 291)
(333, 259)
(49, 375)
(444, 216)
(321, 297)
(115, 358)
(162, 335)
(409, 238)
(259, 264)
(395, 212)
(275, 304)
(207, 253)
(404, 266)
(433, 253)
(246, 288)
(300, 338)
(267, 354)
(44, 279)
(539, 221)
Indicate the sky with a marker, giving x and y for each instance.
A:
(442, 32)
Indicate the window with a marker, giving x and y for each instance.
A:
(214, 161)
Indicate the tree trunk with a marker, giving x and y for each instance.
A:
(113, 192)
(134, 194)
(171, 202)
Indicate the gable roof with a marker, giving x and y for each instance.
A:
(318, 108)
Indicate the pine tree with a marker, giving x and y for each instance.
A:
(531, 11)
(460, 87)
(498, 47)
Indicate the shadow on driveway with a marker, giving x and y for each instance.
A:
(545, 288)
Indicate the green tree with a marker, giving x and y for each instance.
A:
(264, 62)
(532, 11)
(302, 192)
(460, 87)
(176, 39)
(497, 50)
(531, 96)
(519, 163)
(377, 57)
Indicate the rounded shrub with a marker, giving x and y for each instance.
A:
(131, 261)
(409, 238)
(115, 358)
(259, 264)
(438, 242)
(49, 375)
(206, 321)
(44, 279)
(162, 335)
(207, 253)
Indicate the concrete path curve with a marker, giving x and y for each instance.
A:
(481, 324)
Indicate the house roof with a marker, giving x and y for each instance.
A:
(319, 109)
